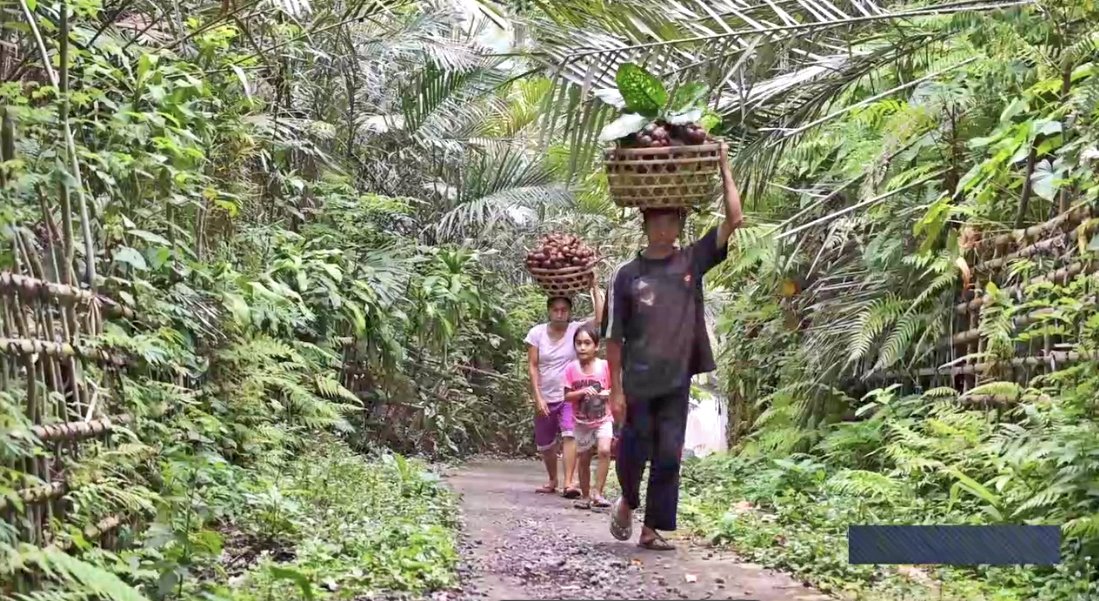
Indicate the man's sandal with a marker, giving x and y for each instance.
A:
(572, 493)
(619, 530)
(582, 504)
(600, 502)
(656, 543)
(546, 490)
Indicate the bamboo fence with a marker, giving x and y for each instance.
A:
(1057, 254)
(67, 387)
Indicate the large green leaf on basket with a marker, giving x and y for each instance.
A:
(642, 91)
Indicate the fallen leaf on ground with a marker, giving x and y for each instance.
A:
(915, 574)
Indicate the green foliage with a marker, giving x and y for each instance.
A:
(328, 523)
(316, 217)
(296, 264)
(641, 90)
(92, 581)
(861, 248)
(645, 99)
(913, 460)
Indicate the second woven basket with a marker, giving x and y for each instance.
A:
(564, 282)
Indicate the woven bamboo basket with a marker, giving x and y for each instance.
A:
(668, 177)
(566, 281)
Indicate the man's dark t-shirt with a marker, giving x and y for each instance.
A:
(655, 310)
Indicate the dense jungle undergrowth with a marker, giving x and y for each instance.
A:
(304, 221)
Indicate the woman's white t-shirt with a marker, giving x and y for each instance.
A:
(553, 358)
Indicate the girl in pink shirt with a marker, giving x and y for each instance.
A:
(587, 388)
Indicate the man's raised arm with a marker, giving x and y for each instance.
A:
(734, 216)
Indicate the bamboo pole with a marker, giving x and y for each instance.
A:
(1051, 244)
(1060, 275)
(1053, 358)
(1068, 218)
(62, 84)
(33, 346)
(37, 494)
(79, 430)
(107, 524)
(30, 287)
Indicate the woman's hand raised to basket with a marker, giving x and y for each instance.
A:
(597, 299)
(593, 282)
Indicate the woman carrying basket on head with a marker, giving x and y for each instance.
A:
(549, 351)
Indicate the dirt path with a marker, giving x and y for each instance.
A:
(522, 545)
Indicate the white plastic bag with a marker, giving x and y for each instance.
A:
(693, 437)
(705, 428)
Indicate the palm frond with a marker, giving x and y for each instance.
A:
(764, 64)
(511, 206)
(499, 182)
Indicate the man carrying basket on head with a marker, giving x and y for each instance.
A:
(549, 350)
(656, 339)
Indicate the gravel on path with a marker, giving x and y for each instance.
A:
(517, 544)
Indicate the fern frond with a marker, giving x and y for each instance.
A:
(867, 484)
(1045, 498)
(329, 388)
(942, 282)
(1084, 527)
(899, 340)
(75, 574)
(871, 323)
(1002, 389)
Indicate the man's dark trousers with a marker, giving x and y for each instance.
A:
(654, 430)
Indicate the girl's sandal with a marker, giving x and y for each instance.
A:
(582, 504)
(656, 543)
(546, 490)
(600, 502)
(572, 493)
